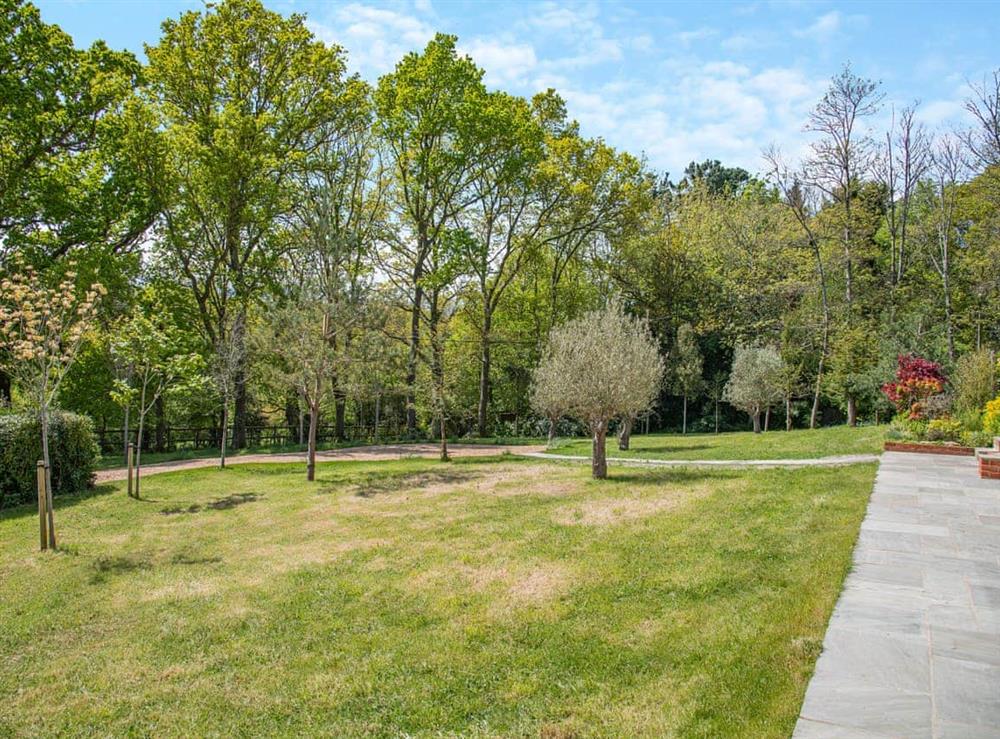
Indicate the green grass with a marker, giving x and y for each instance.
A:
(112, 461)
(796, 444)
(477, 598)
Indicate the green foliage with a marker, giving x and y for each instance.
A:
(686, 362)
(756, 381)
(944, 429)
(73, 455)
(991, 417)
(905, 428)
(974, 381)
(66, 177)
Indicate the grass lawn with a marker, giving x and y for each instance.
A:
(477, 598)
(113, 461)
(796, 444)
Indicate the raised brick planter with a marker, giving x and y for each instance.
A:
(989, 465)
(952, 450)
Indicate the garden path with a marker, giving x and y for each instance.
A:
(913, 646)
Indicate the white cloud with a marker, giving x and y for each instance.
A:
(686, 38)
(823, 28)
(375, 38)
(829, 25)
(504, 62)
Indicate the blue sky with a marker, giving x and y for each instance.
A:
(674, 82)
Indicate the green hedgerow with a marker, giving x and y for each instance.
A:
(72, 450)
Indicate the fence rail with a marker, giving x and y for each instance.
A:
(173, 438)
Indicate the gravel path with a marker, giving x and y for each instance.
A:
(365, 453)
(738, 463)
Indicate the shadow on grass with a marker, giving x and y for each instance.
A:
(186, 559)
(376, 483)
(219, 504)
(61, 502)
(635, 476)
(105, 567)
(666, 448)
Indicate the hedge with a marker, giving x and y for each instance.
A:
(73, 453)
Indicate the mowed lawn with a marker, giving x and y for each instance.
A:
(414, 598)
(775, 444)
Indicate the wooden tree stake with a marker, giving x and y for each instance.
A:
(43, 527)
(128, 464)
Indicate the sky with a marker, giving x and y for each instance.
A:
(673, 82)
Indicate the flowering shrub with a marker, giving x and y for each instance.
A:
(917, 380)
(944, 429)
(991, 417)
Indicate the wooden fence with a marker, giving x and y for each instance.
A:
(173, 438)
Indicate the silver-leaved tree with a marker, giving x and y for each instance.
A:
(599, 367)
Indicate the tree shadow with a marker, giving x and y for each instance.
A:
(108, 566)
(60, 501)
(185, 559)
(217, 504)
(375, 484)
(647, 476)
(666, 448)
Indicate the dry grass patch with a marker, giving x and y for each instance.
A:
(616, 508)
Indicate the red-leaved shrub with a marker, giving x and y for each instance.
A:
(917, 379)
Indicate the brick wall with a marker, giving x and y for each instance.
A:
(989, 466)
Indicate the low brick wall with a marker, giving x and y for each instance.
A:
(947, 449)
(989, 466)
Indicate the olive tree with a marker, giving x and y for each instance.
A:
(601, 366)
(756, 381)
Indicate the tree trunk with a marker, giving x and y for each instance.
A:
(443, 427)
(716, 416)
(411, 361)
(340, 411)
(161, 425)
(48, 474)
(788, 413)
(552, 430)
(291, 414)
(378, 414)
(222, 436)
(313, 424)
(684, 422)
(755, 416)
(138, 454)
(125, 436)
(852, 411)
(484, 375)
(599, 459)
(625, 434)
(240, 404)
(767, 418)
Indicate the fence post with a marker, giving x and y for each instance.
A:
(128, 465)
(42, 526)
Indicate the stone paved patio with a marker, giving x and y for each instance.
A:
(913, 646)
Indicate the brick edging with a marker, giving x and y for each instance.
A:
(922, 448)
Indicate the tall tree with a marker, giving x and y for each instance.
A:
(426, 109)
(685, 367)
(242, 95)
(843, 154)
(506, 217)
(340, 218)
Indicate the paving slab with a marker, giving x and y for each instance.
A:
(913, 645)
